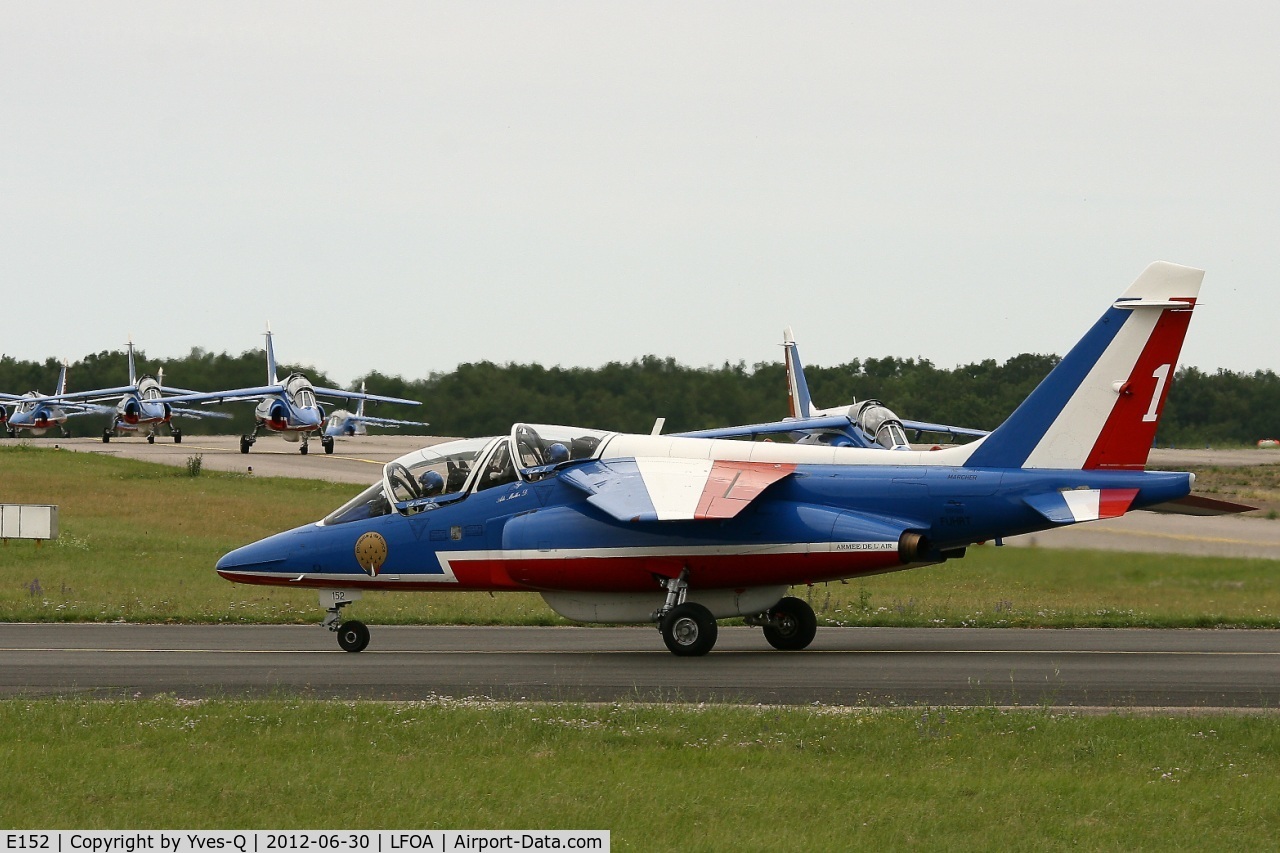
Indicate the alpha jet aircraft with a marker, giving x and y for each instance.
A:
(142, 404)
(38, 413)
(342, 423)
(288, 407)
(612, 527)
(866, 424)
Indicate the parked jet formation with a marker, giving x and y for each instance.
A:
(288, 407)
(38, 413)
(142, 404)
(680, 531)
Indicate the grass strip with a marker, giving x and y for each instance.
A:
(699, 778)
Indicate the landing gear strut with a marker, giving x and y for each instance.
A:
(353, 635)
(688, 628)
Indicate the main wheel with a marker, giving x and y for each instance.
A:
(151, 439)
(689, 630)
(106, 436)
(245, 443)
(794, 625)
(177, 436)
(353, 636)
(327, 442)
(303, 450)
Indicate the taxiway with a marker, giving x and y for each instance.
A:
(845, 667)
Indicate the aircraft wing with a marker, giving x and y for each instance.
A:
(97, 393)
(921, 426)
(665, 489)
(772, 428)
(74, 410)
(200, 413)
(384, 422)
(357, 395)
(235, 395)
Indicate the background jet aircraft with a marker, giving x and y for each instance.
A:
(38, 413)
(142, 404)
(680, 531)
(342, 423)
(288, 407)
(867, 424)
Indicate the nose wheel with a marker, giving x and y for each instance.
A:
(353, 636)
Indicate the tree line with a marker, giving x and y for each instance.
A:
(484, 398)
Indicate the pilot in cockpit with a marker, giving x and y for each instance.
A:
(431, 484)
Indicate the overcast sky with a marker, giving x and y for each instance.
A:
(405, 187)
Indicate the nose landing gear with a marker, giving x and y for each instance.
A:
(353, 635)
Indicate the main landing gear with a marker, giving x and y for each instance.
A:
(326, 441)
(246, 441)
(353, 635)
(790, 625)
(689, 629)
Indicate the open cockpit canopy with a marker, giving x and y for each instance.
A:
(444, 473)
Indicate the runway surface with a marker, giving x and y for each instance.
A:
(845, 666)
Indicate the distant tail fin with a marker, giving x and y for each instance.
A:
(62, 380)
(798, 401)
(272, 377)
(360, 405)
(133, 371)
(1100, 406)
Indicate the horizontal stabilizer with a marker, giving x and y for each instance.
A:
(1200, 505)
(1074, 505)
(945, 429)
(837, 422)
(671, 489)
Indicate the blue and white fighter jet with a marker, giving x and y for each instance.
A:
(681, 531)
(38, 413)
(288, 407)
(142, 404)
(344, 424)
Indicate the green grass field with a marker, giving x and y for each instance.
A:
(702, 778)
(138, 542)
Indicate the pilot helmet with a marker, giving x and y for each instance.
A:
(432, 483)
(557, 453)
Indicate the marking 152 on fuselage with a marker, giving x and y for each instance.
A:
(682, 531)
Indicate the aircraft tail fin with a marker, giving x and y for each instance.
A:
(133, 370)
(1101, 405)
(62, 380)
(798, 401)
(360, 405)
(272, 377)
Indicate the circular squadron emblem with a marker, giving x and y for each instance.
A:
(371, 552)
